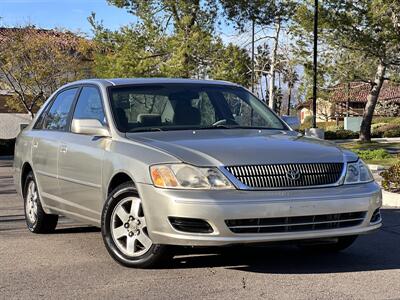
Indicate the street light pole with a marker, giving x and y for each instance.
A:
(252, 56)
(315, 62)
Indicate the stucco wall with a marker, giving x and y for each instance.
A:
(10, 124)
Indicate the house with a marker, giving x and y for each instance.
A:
(11, 119)
(348, 99)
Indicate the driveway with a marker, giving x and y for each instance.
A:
(73, 263)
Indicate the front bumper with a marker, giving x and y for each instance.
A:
(217, 206)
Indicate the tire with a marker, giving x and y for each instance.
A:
(342, 243)
(124, 230)
(36, 219)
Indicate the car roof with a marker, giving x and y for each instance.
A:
(133, 81)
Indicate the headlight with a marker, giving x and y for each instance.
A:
(183, 176)
(358, 172)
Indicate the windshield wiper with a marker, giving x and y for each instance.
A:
(222, 126)
(144, 129)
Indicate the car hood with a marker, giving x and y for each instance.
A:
(242, 147)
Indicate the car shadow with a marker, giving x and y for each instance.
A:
(77, 229)
(377, 251)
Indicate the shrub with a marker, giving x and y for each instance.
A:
(391, 178)
(388, 130)
(307, 123)
(377, 125)
(386, 120)
(375, 154)
(341, 135)
(333, 127)
(392, 133)
(7, 147)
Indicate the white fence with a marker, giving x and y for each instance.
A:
(10, 124)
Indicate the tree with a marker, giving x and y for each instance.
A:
(263, 13)
(34, 63)
(262, 67)
(191, 23)
(388, 108)
(366, 28)
(172, 39)
(132, 51)
(290, 75)
(232, 64)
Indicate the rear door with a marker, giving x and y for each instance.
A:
(47, 133)
(81, 159)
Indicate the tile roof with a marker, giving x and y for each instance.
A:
(66, 40)
(360, 90)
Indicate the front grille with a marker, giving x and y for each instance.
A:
(278, 175)
(293, 224)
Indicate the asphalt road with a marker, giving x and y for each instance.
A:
(73, 263)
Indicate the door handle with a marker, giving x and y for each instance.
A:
(63, 148)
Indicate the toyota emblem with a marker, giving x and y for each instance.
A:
(293, 175)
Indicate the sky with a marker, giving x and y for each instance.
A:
(67, 14)
(72, 15)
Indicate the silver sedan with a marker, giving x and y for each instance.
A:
(161, 162)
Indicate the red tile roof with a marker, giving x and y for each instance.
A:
(360, 90)
(64, 39)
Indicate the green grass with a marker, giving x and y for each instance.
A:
(385, 160)
(369, 146)
(387, 120)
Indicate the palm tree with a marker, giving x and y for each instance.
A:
(290, 77)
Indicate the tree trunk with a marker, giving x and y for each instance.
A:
(31, 114)
(372, 99)
(289, 99)
(272, 100)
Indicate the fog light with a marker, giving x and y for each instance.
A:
(190, 225)
(376, 216)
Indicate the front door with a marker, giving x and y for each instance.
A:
(80, 161)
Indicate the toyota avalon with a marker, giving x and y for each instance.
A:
(162, 162)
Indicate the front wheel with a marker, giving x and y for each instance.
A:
(124, 230)
(340, 244)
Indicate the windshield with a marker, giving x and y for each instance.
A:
(188, 106)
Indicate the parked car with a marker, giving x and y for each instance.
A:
(161, 162)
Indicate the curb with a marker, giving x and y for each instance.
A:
(390, 199)
(376, 167)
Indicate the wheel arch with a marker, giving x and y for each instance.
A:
(117, 179)
(25, 170)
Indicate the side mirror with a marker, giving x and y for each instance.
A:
(292, 121)
(89, 127)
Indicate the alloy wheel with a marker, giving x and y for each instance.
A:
(129, 229)
(31, 206)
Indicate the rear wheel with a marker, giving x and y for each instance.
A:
(36, 219)
(340, 244)
(124, 230)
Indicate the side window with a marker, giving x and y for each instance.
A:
(89, 105)
(57, 116)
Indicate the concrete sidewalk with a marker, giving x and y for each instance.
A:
(379, 140)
